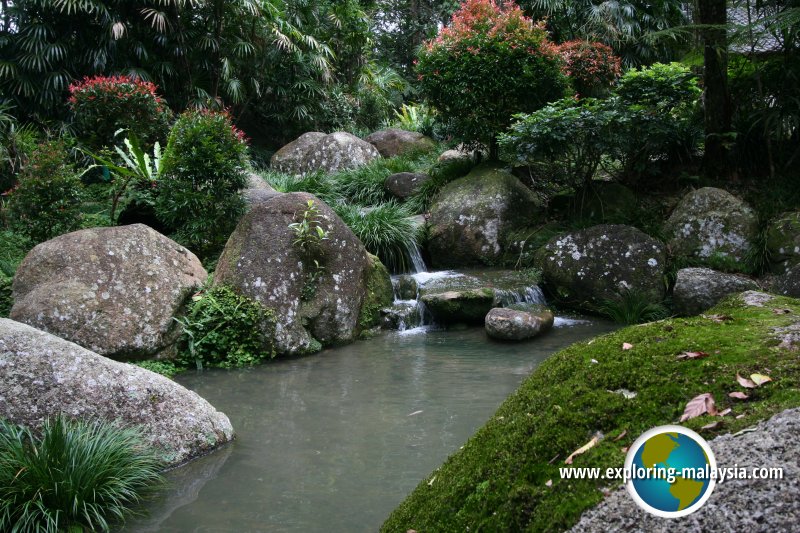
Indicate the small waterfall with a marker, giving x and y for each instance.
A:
(528, 295)
(416, 258)
(407, 313)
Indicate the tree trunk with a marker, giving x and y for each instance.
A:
(717, 160)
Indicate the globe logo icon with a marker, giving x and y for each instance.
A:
(672, 471)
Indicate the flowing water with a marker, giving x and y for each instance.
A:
(334, 442)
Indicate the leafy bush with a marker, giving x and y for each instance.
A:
(165, 368)
(47, 198)
(386, 230)
(225, 329)
(6, 299)
(76, 476)
(416, 117)
(591, 67)
(665, 87)
(203, 171)
(490, 63)
(102, 105)
(16, 144)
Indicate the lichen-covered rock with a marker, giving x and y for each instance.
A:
(699, 289)
(380, 294)
(788, 284)
(316, 151)
(392, 142)
(114, 291)
(405, 184)
(711, 222)
(407, 287)
(514, 325)
(588, 267)
(313, 306)
(449, 156)
(42, 376)
(783, 242)
(460, 307)
(257, 189)
(472, 216)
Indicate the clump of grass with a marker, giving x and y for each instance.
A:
(506, 477)
(386, 230)
(76, 476)
(633, 307)
(318, 183)
(167, 369)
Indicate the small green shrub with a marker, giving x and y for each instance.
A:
(489, 63)
(46, 201)
(225, 329)
(102, 105)
(416, 117)
(6, 300)
(633, 307)
(592, 67)
(386, 230)
(76, 476)
(203, 171)
(308, 232)
(165, 368)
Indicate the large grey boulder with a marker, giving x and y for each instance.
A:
(711, 222)
(588, 267)
(315, 151)
(42, 376)
(699, 289)
(392, 142)
(114, 291)
(515, 325)
(788, 284)
(783, 242)
(313, 306)
(472, 216)
(405, 184)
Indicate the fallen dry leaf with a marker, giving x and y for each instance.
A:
(712, 425)
(744, 382)
(725, 412)
(624, 449)
(760, 379)
(621, 436)
(548, 483)
(739, 395)
(583, 449)
(782, 311)
(739, 417)
(627, 346)
(692, 355)
(698, 406)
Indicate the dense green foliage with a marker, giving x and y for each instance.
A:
(46, 201)
(591, 67)
(225, 329)
(488, 64)
(101, 106)
(75, 476)
(500, 480)
(204, 168)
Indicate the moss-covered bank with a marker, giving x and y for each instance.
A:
(499, 480)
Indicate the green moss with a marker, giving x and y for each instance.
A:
(6, 300)
(379, 294)
(497, 482)
(165, 368)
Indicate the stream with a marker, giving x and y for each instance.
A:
(335, 441)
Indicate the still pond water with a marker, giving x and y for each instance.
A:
(334, 442)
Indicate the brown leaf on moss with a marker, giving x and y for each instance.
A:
(692, 355)
(744, 382)
(739, 395)
(703, 404)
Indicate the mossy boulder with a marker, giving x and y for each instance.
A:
(699, 289)
(460, 307)
(113, 291)
(710, 223)
(517, 325)
(392, 142)
(472, 216)
(379, 294)
(788, 284)
(506, 477)
(315, 151)
(315, 305)
(783, 242)
(585, 268)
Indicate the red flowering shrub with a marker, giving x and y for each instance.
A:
(592, 67)
(102, 105)
(490, 63)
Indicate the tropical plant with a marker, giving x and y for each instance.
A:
(633, 307)
(591, 67)
(72, 475)
(101, 106)
(416, 117)
(203, 171)
(309, 233)
(223, 328)
(46, 201)
(488, 64)
(387, 230)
